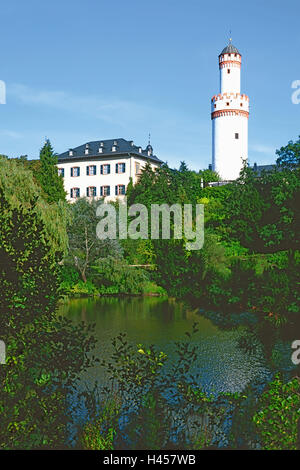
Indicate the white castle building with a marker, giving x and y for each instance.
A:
(229, 114)
(103, 168)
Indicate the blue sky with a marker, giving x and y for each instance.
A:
(77, 71)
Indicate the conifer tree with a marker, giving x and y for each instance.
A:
(47, 176)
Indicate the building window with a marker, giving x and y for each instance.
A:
(75, 192)
(120, 167)
(227, 104)
(241, 104)
(236, 135)
(61, 172)
(215, 105)
(91, 170)
(120, 190)
(75, 171)
(228, 70)
(105, 190)
(105, 169)
(91, 191)
(137, 168)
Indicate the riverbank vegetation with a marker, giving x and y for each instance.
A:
(45, 354)
(149, 403)
(48, 249)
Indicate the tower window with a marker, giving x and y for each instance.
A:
(241, 104)
(227, 104)
(228, 70)
(236, 135)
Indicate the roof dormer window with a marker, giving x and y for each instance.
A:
(140, 149)
(101, 144)
(100, 150)
(115, 142)
(70, 153)
(114, 148)
(86, 151)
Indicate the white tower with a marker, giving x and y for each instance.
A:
(229, 114)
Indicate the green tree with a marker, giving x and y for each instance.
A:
(47, 175)
(84, 246)
(289, 156)
(45, 354)
(264, 213)
(21, 190)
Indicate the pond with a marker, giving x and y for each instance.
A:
(223, 366)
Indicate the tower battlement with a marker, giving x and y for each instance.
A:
(230, 95)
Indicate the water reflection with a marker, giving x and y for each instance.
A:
(221, 363)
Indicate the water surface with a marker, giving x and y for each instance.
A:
(222, 365)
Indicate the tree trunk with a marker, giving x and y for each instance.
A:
(83, 276)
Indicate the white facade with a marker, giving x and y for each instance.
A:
(111, 180)
(229, 113)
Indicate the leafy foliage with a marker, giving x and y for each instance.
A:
(278, 415)
(47, 175)
(84, 246)
(289, 156)
(45, 354)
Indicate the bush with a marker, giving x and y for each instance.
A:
(278, 415)
(99, 433)
(113, 276)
